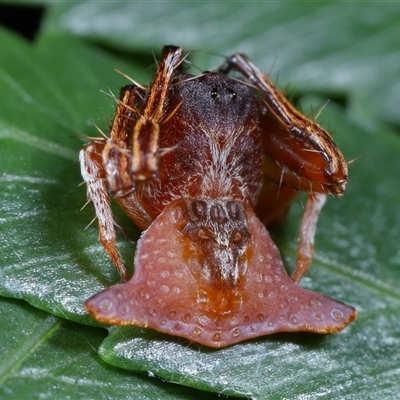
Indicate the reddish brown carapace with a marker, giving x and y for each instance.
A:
(203, 163)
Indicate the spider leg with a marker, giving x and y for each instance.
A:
(115, 153)
(298, 155)
(93, 174)
(146, 132)
(305, 250)
(299, 144)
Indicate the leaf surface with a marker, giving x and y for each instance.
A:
(50, 94)
(46, 357)
(349, 49)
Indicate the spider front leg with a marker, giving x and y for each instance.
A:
(94, 175)
(132, 152)
(120, 164)
(145, 147)
(103, 168)
(303, 149)
(299, 155)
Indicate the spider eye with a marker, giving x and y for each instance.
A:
(232, 94)
(199, 208)
(214, 93)
(236, 236)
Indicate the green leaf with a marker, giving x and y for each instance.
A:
(45, 357)
(50, 92)
(48, 102)
(348, 48)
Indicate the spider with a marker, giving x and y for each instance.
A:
(203, 164)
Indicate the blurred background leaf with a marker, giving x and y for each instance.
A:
(347, 52)
(347, 48)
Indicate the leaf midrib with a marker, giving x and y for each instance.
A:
(27, 346)
(47, 146)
